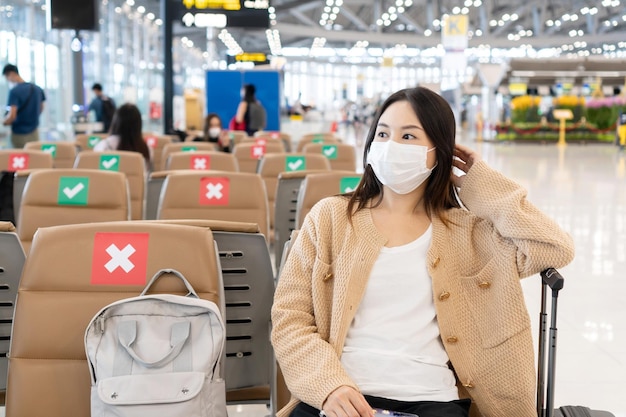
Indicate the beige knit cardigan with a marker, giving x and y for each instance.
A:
(475, 264)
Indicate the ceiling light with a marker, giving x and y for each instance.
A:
(456, 10)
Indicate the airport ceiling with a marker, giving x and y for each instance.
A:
(416, 23)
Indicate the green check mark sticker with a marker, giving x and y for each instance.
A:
(73, 191)
(348, 184)
(93, 141)
(51, 149)
(110, 162)
(295, 163)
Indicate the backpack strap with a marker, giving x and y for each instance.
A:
(160, 273)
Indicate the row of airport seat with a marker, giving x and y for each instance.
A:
(239, 372)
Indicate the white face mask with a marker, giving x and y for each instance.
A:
(401, 167)
(214, 132)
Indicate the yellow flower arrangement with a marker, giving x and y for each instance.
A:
(524, 102)
(568, 101)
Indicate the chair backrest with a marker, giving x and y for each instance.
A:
(315, 138)
(86, 142)
(63, 153)
(236, 136)
(184, 147)
(70, 196)
(157, 143)
(130, 163)
(285, 207)
(341, 156)
(215, 195)
(321, 185)
(264, 140)
(249, 154)
(284, 137)
(202, 160)
(22, 159)
(68, 278)
(12, 259)
(273, 164)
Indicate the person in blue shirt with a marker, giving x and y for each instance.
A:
(25, 104)
(103, 106)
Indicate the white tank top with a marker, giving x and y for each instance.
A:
(393, 348)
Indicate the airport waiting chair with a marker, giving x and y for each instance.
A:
(272, 165)
(264, 140)
(71, 196)
(317, 186)
(13, 160)
(215, 195)
(284, 137)
(184, 147)
(202, 160)
(132, 164)
(157, 143)
(249, 292)
(236, 137)
(12, 259)
(86, 141)
(325, 138)
(249, 154)
(341, 156)
(63, 153)
(66, 281)
(285, 207)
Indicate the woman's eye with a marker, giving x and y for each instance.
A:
(381, 134)
(408, 136)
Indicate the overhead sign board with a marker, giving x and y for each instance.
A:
(238, 13)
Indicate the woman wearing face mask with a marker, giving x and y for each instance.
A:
(398, 297)
(214, 133)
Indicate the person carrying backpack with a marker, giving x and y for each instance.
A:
(103, 106)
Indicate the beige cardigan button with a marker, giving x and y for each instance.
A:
(452, 339)
(436, 262)
(444, 296)
(468, 384)
(327, 276)
(484, 284)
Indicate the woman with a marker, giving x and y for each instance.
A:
(396, 294)
(213, 132)
(250, 111)
(126, 133)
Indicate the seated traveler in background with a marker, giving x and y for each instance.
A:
(395, 293)
(126, 133)
(250, 111)
(213, 132)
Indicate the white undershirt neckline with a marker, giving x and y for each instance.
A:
(393, 348)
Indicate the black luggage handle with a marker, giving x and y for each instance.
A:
(545, 389)
(552, 279)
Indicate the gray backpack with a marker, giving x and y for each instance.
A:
(157, 355)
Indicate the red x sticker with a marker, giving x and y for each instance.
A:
(261, 142)
(18, 161)
(214, 191)
(257, 151)
(119, 259)
(151, 141)
(200, 162)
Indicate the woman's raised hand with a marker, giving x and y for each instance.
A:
(464, 158)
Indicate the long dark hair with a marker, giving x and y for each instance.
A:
(127, 125)
(437, 119)
(248, 93)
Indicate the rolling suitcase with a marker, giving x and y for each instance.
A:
(545, 390)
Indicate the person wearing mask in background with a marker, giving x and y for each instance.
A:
(103, 106)
(214, 133)
(25, 104)
(126, 134)
(405, 294)
(250, 111)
